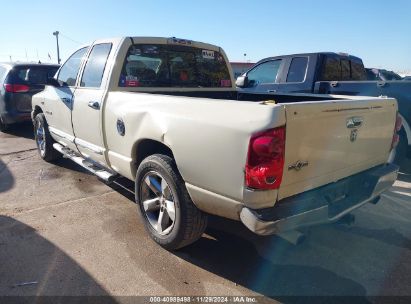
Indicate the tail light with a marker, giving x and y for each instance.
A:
(396, 137)
(398, 123)
(16, 88)
(265, 160)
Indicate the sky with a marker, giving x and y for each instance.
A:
(377, 31)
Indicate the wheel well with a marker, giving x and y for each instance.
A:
(147, 147)
(36, 111)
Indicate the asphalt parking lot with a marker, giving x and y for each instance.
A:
(68, 233)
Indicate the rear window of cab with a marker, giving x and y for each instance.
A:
(337, 69)
(156, 65)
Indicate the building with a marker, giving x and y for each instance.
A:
(240, 67)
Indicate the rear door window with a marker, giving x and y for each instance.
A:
(96, 63)
(335, 69)
(69, 71)
(298, 69)
(358, 71)
(265, 72)
(371, 75)
(159, 65)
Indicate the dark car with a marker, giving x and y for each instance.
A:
(381, 75)
(18, 83)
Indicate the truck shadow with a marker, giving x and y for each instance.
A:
(276, 269)
(400, 193)
(6, 178)
(71, 165)
(388, 236)
(405, 166)
(33, 266)
(404, 177)
(24, 130)
(262, 264)
(400, 190)
(235, 257)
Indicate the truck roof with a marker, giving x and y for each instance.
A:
(160, 40)
(16, 64)
(351, 57)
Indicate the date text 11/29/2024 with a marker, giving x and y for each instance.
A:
(203, 299)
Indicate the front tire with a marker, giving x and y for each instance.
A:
(43, 139)
(170, 217)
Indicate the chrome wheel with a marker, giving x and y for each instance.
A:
(40, 138)
(158, 203)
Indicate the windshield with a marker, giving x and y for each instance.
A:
(173, 66)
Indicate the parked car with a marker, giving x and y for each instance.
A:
(18, 83)
(328, 73)
(381, 75)
(163, 112)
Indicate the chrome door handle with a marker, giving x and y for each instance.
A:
(94, 105)
(271, 91)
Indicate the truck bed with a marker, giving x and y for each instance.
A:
(258, 97)
(317, 133)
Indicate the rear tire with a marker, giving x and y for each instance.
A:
(3, 126)
(170, 217)
(43, 139)
(401, 151)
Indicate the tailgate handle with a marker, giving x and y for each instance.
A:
(354, 122)
(94, 105)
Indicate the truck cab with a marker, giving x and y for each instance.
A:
(298, 73)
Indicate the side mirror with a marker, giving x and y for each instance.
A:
(53, 82)
(242, 82)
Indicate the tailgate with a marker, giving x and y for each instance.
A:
(330, 140)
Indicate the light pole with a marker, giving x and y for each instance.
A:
(56, 33)
(244, 69)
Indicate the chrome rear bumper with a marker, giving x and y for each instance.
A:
(322, 205)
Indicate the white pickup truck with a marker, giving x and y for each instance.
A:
(164, 113)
